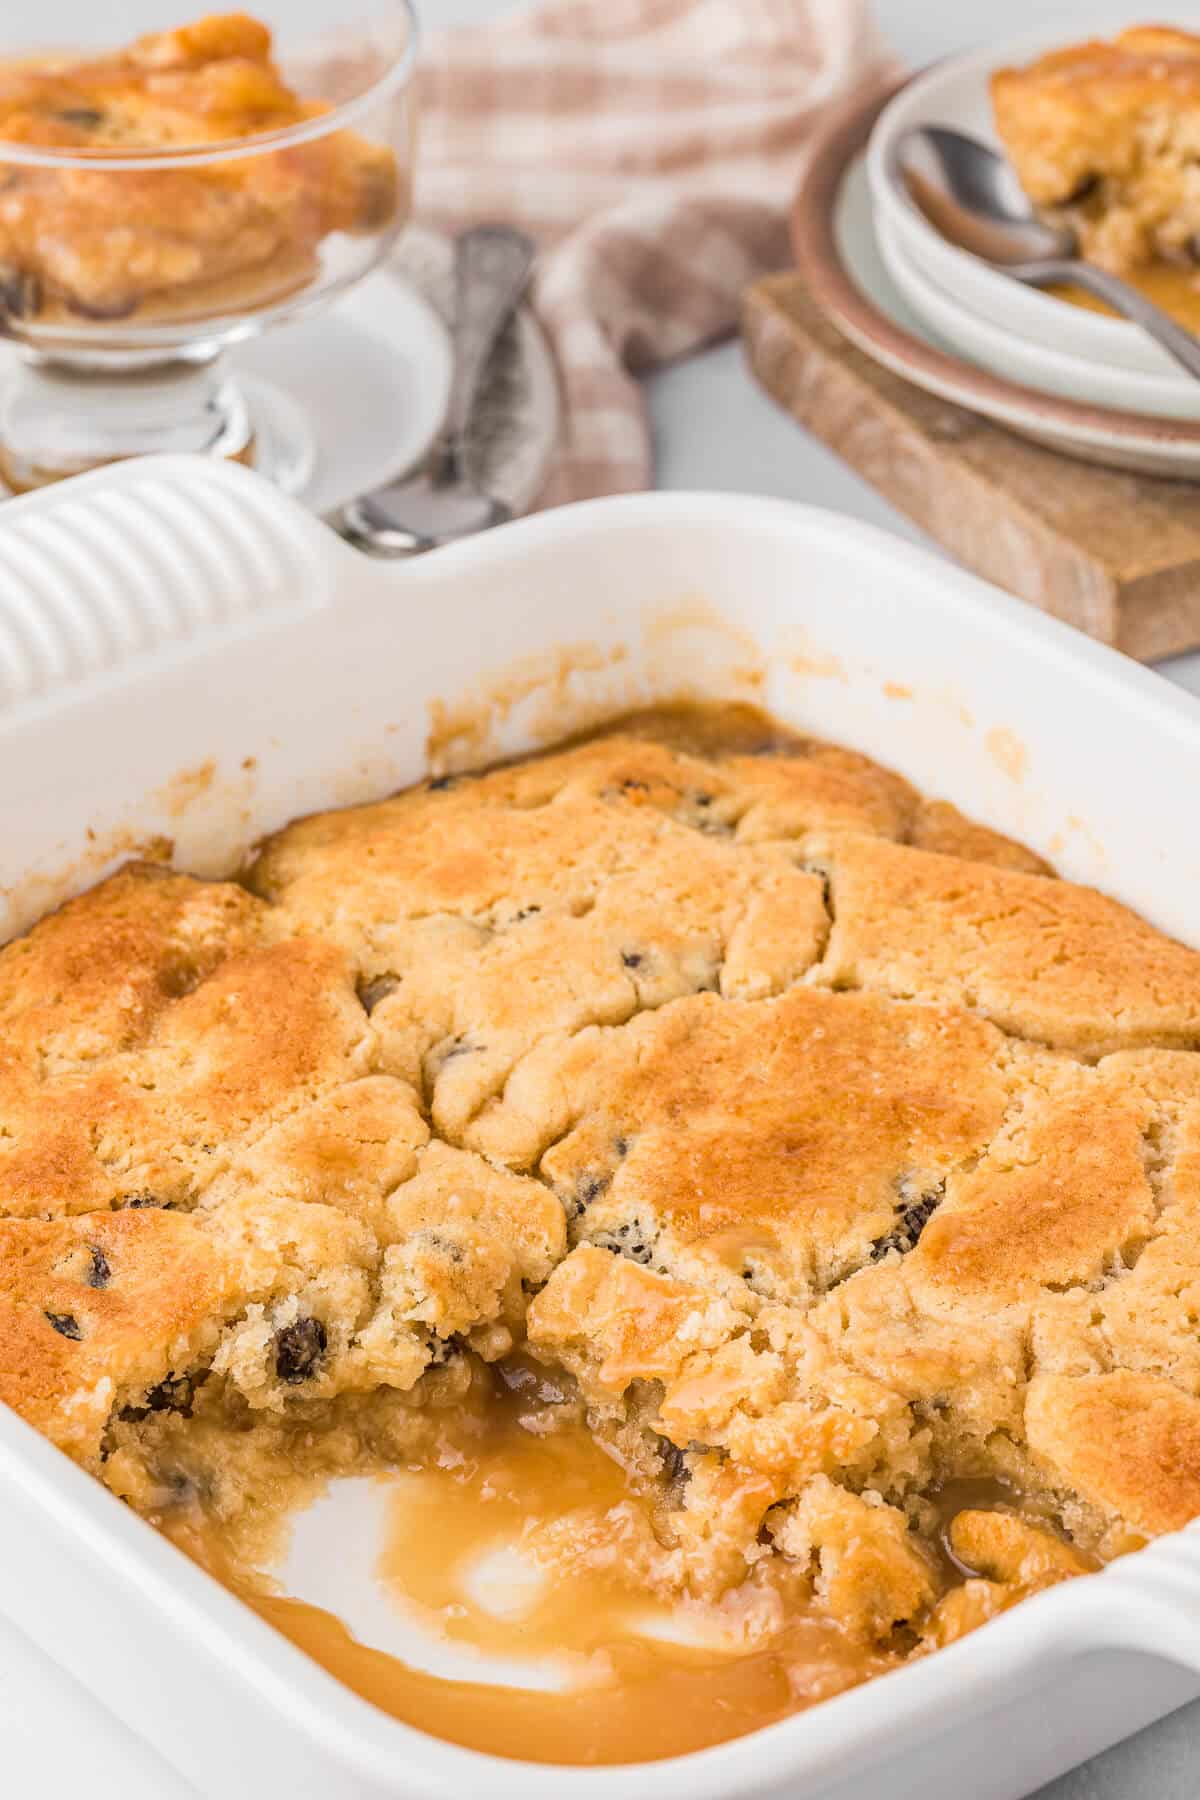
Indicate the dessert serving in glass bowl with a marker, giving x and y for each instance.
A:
(168, 189)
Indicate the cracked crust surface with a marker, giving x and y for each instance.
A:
(1059, 964)
(823, 1148)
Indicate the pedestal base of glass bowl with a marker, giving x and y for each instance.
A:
(61, 418)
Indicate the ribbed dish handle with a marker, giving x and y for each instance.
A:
(1151, 1601)
(138, 562)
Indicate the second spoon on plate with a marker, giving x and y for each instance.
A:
(441, 502)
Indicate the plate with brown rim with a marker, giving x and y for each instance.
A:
(837, 253)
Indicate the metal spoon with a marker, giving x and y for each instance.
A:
(971, 195)
(441, 502)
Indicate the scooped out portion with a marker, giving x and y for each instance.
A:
(755, 1197)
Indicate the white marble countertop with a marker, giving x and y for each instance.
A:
(755, 449)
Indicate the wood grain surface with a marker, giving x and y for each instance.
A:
(1117, 555)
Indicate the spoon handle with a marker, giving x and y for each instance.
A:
(1175, 340)
(491, 268)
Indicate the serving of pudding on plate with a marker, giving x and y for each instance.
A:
(1105, 136)
(757, 1193)
(89, 238)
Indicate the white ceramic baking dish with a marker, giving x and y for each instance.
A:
(162, 624)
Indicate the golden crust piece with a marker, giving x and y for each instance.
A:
(941, 828)
(1017, 1558)
(1044, 960)
(350, 1148)
(1061, 1198)
(751, 1387)
(114, 1310)
(539, 900)
(871, 1571)
(1110, 132)
(100, 242)
(92, 978)
(263, 1036)
(778, 1142)
(1127, 1444)
(282, 1299)
(71, 1341)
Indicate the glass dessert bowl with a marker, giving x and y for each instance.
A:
(168, 190)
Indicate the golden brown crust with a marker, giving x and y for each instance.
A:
(871, 1571)
(1128, 1444)
(940, 827)
(1044, 960)
(65, 1379)
(264, 1035)
(92, 978)
(779, 1140)
(541, 899)
(825, 1149)
(1016, 1558)
(1060, 1199)
(98, 1311)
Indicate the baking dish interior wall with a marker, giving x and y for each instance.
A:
(327, 696)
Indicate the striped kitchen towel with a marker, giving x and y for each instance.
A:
(651, 147)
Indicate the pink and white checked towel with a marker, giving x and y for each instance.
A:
(651, 147)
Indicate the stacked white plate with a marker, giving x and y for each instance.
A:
(1013, 331)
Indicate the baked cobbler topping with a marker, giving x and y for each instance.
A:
(799, 1172)
(100, 243)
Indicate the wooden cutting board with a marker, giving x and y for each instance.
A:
(1117, 555)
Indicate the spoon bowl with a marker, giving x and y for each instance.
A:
(971, 195)
(418, 515)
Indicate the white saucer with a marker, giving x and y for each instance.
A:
(955, 93)
(1051, 370)
(370, 374)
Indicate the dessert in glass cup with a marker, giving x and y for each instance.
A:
(175, 193)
